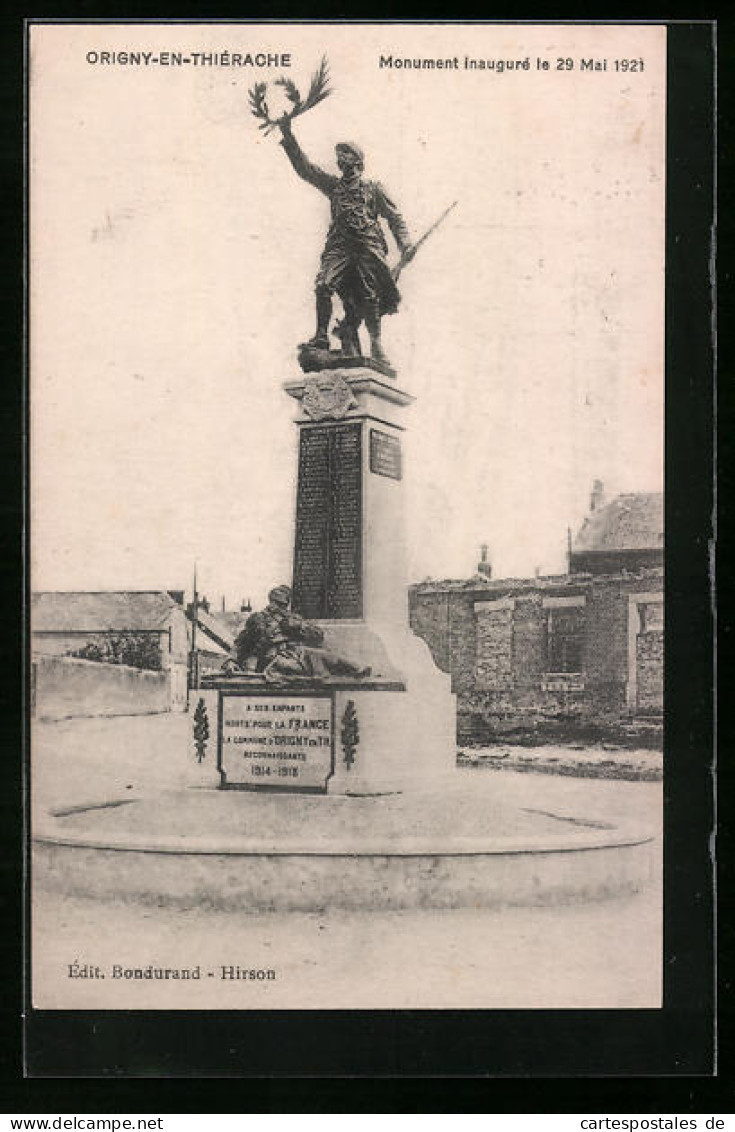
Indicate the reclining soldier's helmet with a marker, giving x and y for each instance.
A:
(280, 595)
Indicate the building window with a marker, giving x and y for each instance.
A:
(564, 639)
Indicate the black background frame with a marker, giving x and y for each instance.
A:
(391, 1050)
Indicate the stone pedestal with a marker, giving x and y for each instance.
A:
(349, 552)
(350, 577)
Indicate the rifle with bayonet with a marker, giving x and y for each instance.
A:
(409, 253)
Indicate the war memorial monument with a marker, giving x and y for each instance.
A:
(328, 742)
(350, 701)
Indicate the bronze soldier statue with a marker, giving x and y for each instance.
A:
(281, 645)
(353, 262)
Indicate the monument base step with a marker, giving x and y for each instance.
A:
(247, 852)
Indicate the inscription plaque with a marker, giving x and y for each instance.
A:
(311, 553)
(344, 591)
(385, 454)
(327, 579)
(276, 742)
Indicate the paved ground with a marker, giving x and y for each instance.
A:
(602, 955)
(601, 760)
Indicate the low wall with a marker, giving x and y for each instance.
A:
(67, 686)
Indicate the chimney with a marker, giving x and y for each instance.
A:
(245, 606)
(597, 499)
(483, 566)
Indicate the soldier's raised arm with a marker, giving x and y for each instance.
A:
(309, 172)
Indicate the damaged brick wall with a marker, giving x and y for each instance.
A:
(606, 646)
(446, 621)
(429, 619)
(529, 641)
(495, 647)
(650, 665)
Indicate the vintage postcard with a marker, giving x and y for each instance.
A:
(347, 568)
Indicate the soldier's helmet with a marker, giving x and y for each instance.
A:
(280, 595)
(353, 150)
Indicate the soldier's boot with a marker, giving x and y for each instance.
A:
(320, 341)
(372, 322)
(347, 332)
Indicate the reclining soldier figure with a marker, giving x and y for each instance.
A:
(282, 646)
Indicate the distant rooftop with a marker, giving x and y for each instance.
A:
(123, 610)
(629, 522)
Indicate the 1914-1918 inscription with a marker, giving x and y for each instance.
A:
(328, 551)
(276, 741)
(385, 454)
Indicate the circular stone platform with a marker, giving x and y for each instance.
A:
(246, 851)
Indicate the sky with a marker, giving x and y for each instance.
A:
(173, 253)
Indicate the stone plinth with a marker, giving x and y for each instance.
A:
(301, 735)
(396, 731)
(349, 552)
(408, 739)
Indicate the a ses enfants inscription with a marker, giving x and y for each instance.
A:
(278, 741)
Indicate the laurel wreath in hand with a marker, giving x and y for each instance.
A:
(318, 91)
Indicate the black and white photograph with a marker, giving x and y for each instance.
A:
(346, 405)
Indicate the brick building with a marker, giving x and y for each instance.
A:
(576, 652)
